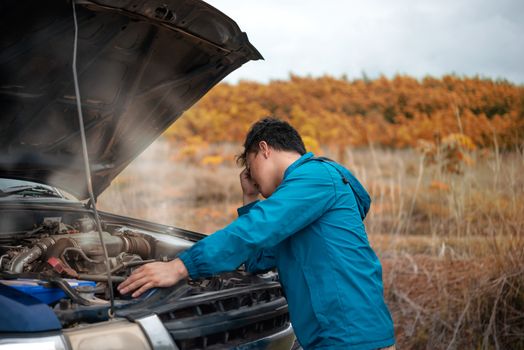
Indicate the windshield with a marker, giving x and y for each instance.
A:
(12, 187)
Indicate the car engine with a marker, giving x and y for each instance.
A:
(73, 251)
(55, 251)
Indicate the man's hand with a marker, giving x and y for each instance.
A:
(156, 274)
(249, 189)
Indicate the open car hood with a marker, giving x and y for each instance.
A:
(141, 64)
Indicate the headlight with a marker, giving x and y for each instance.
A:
(119, 334)
(54, 342)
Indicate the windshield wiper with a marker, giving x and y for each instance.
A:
(30, 190)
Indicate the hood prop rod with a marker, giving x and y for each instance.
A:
(88, 169)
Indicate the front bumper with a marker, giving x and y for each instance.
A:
(278, 341)
(160, 339)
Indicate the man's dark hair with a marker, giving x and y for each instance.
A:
(277, 133)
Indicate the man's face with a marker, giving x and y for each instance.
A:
(261, 168)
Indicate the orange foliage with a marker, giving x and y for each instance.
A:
(439, 186)
(396, 112)
(212, 160)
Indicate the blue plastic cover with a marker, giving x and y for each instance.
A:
(23, 313)
(45, 294)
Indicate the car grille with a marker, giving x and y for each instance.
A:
(227, 318)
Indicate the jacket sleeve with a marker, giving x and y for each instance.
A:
(263, 259)
(301, 198)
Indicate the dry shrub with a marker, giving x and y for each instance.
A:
(413, 196)
(451, 303)
(219, 186)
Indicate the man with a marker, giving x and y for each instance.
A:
(311, 228)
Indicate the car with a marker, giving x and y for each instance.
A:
(140, 65)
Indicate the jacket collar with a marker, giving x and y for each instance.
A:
(298, 163)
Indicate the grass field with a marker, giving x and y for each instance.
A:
(446, 223)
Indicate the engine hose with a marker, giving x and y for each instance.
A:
(69, 291)
(61, 244)
(100, 278)
(27, 257)
(137, 245)
(81, 253)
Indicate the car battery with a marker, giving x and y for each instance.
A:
(39, 290)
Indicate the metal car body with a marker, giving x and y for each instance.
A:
(141, 64)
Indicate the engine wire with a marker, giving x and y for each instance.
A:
(87, 167)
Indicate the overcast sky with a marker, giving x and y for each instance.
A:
(415, 37)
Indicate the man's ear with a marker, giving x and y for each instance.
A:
(264, 148)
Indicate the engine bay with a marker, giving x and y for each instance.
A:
(60, 261)
(73, 250)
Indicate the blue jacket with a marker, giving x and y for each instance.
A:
(311, 229)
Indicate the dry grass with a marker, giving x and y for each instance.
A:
(451, 244)
(442, 302)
